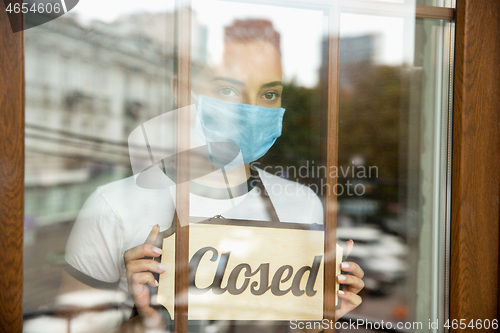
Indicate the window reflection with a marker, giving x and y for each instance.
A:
(89, 84)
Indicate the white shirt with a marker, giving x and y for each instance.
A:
(120, 215)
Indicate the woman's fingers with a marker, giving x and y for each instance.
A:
(144, 265)
(349, 302)
(142, 278)
(353, 283)
(141, 251)
(152, 235)
(353, 298)
(140, 292)
(145, 250)
(353, 268)
(140, 272)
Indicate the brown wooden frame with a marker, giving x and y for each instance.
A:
(332, 135)
(441, 13)
(475, 182)
(183, 18)
(11, 174)
(475, 173)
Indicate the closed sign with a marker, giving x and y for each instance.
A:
(250, 271)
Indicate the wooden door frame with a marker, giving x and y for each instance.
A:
(475, 210)
(11, 174)
(475, 163)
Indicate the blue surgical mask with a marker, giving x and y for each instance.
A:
(253, 128)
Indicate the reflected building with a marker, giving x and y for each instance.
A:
(354, 52)
(88, 84)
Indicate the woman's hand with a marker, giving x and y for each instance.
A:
(353, 284)
(139, 264)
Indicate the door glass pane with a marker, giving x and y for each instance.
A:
(104, 163)
(394, 117)
(91, 76)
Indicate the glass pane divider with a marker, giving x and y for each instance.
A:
(183, 26)
(332, 130)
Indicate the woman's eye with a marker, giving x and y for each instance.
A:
(228, 92)
(270, 95)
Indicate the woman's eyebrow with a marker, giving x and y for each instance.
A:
(228, 79)
(272, 84)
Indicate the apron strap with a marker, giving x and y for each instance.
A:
(263, 192)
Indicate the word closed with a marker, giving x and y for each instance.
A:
(250, 271)
(259, 286)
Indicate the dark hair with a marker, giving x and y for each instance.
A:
(249, 30)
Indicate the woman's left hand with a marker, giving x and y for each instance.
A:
(353, 284)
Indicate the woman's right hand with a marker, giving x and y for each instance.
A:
(139, 264)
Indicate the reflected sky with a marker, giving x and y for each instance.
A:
(395, 38)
